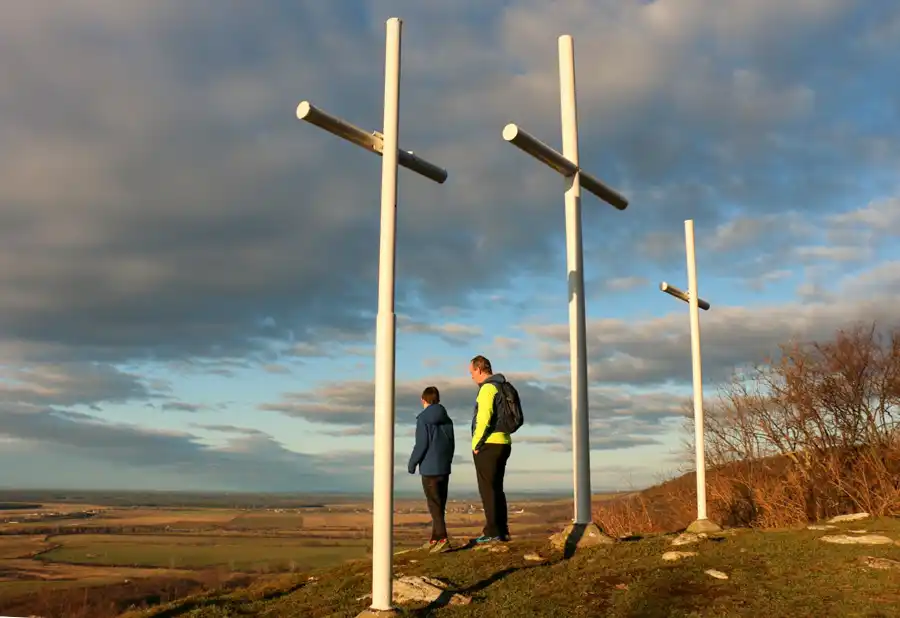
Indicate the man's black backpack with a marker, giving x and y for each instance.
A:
(509, 416)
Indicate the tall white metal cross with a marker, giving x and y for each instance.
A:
(692, 298)
(386, 145)
(567, 165)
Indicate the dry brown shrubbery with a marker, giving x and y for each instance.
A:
(812, 434)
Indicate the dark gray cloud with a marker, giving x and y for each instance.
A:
(233, 429)
(599, 442)
(250, 459)
(72, 384)
(182, 406)
(452, 333)
(545, 400)
(160, 201)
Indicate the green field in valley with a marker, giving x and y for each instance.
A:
(197, 552)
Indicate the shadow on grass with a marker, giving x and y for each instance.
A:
(671, 591)
(632, 538)
(467, 545)
(232, 604)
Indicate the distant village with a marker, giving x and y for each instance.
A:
(43, 516)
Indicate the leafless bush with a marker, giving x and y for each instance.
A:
(810, 434)
(625, 516)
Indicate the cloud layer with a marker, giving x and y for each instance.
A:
(174, 242)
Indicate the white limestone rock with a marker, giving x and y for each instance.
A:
(419, 589)
(863, 539)
(849, 517)
(882, 564)
(671, 556)
(688, 538)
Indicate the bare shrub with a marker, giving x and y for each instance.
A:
(809, 435)
(624, 516)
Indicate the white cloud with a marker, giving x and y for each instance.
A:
(657, 350)
(625, 284)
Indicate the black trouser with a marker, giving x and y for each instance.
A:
(436, 494)
(490, 468)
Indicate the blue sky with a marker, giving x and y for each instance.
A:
(188, 287)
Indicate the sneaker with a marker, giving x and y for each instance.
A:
(428, 546)
(439, 546)
(487, 539)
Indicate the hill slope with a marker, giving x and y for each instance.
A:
(775, 573)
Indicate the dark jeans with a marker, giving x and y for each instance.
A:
(490, 468)
(436, 494)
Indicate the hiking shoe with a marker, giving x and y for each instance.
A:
(439, 546)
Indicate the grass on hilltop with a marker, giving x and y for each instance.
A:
(772, 574)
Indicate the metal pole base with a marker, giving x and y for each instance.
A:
(378, 613)
(578, 536)
(704, 526)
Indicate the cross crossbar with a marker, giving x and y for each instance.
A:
(518, 137)
(371, 141)
(682, 295)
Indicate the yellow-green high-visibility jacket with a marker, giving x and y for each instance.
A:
(484, 418)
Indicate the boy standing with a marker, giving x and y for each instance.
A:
(433, 455)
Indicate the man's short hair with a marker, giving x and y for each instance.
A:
(480, 363)
(431, 395)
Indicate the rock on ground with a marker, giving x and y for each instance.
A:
(497, 549)
(687, 538)
(849, 517)
(533, 557)
(669, 556)
(581, 535)
(418, 589)
(883, 564)
(705, 526)
(716, 574)
(820, 527)
(865, 539)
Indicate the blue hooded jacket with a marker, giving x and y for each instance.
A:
(435, 444)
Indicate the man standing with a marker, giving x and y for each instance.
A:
(433, 454)
(491, 449)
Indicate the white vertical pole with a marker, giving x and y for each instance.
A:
(581, 448)
(385, 337)
(694, 295)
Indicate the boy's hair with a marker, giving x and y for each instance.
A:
(431, 395)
